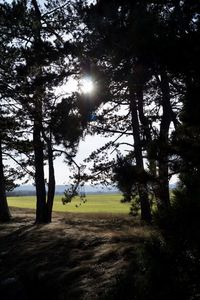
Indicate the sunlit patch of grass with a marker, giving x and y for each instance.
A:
(101, 203)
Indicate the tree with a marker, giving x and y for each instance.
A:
(9, 120)
(44, 62)
(125, 42)
(186, 138)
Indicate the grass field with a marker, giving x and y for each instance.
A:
(102, 203)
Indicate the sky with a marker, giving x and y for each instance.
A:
(86, 146)
(89, 143)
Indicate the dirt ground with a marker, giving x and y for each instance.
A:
(77, 256)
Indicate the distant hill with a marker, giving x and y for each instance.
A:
(29, 190)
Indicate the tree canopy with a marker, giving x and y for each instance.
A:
(143, 59)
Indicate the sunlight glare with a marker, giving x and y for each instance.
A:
(86, 85)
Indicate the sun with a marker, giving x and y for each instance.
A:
(86, 85)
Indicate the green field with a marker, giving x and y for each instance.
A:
(102, 203)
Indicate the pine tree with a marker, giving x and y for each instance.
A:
(125, 42)
(44, 62)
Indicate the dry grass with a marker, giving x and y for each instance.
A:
(77, 256)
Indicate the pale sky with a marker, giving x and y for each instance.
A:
(89, 144)
(85, 148)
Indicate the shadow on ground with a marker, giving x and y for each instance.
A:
(75, 257)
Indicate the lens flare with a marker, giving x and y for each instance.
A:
(86, 85)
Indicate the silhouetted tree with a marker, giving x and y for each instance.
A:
(9, 118)
(44, 63)
(125, 40)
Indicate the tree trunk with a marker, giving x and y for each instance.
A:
(4, 210)
(142, 187)
(148, 136)
(51, 184)
(163, 168)
(41, 216)
(41, 211)
(147, 133)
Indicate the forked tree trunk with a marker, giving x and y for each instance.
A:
(142, 187)
(4, 210)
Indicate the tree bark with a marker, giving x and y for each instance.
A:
(146, 131)
(163, 168)
(51, 183)
(4, 210)
(41, 216)
(152, 163)
(41, 210)
(142, 187)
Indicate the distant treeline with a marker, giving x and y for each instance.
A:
(25, 193)
(33, 193)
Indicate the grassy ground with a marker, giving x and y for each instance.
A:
(102, 203)
(90, 256)
(77, 256)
